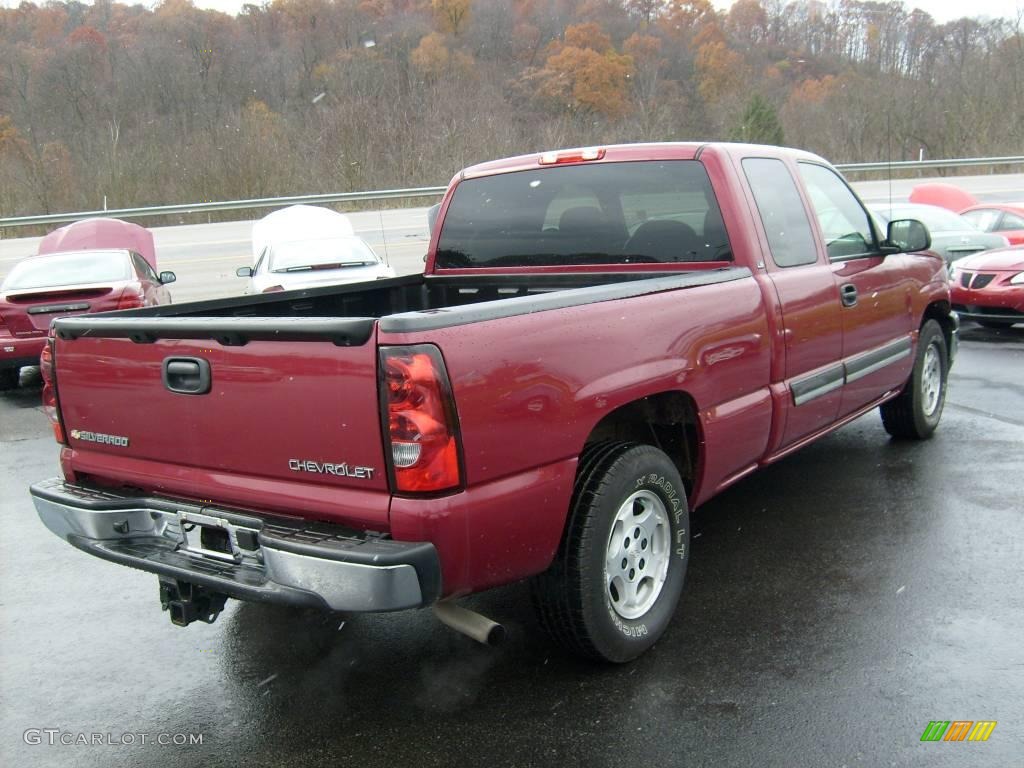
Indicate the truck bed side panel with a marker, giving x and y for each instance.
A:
(529, 390)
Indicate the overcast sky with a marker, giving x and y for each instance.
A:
(941, 10)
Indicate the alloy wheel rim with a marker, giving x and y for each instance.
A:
(931, 380)
(637, 556)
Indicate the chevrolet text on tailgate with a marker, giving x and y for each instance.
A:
(602, 339)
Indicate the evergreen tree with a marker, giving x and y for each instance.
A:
(759, 124)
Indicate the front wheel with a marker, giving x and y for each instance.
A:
(916, 411)
(615, 582)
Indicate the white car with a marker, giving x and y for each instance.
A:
(304, 246)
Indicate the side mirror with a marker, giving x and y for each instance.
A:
(167, 277)
(244, 271)
(906, 236)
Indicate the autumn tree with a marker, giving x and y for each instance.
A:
(645, 10)
(586, 73)
(684, 18)
(431, 56)
(720, 70)
(747, 23)
(172, 103)
(451, 16)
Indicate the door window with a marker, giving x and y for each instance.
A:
(844, 222)
(782, 212)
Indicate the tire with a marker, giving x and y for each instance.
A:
(994, 325)
(9, 378)
(616, 613)
(915, 412)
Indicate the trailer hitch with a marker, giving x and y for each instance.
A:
(189, 602)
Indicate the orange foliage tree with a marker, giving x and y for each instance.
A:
(451, 16)
(720, 70)
(431, 56)
(587, 74)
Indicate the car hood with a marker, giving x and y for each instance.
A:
(1002, 259)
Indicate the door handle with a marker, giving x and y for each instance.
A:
(848, 294)
(187, 375)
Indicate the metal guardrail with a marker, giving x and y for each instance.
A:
(922, 165)
(228, 205)
(401, 194)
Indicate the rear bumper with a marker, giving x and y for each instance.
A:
(16, 352)
(258, 558)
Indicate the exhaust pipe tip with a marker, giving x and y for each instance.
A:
(470, 623)
(496, 636)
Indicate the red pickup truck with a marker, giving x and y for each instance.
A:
(602, 339)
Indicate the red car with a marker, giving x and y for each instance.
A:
(988, 287)
(1006, 219)
(95, 265)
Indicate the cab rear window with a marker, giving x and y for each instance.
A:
(608, 213)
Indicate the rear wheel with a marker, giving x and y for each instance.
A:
(615, 582)
(916, 411)
(9, 378)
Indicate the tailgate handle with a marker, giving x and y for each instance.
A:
(187, 375)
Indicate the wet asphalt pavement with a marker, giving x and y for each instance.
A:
(836, 603)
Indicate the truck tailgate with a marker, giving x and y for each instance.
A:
(296, 421)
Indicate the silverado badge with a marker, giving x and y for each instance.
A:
(99, 437)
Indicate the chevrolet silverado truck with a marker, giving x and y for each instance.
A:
(602, 339)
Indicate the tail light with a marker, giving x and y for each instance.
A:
(51, 405)
(419, 420)
(131, 300)
(273, 289)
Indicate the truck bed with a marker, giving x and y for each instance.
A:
(346, 314)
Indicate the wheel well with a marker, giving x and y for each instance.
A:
(939, 312)
(667, 420)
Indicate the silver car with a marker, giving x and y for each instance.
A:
(952, 235)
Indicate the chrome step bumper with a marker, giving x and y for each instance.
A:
(250, 557)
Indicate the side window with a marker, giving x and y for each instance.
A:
(782, 212)
(844, 222)
(1011, 221)
(143, 268)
